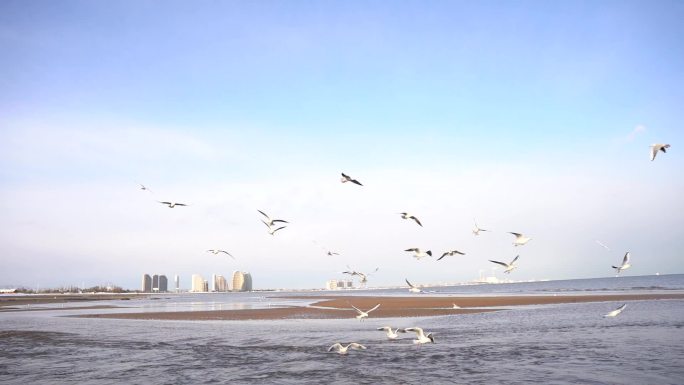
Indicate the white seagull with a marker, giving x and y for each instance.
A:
(331, 253)
(363, 314)
(422, 337)
(418, 254)
(172, 204)
(271, 229)
(509, 266)
(143, 187)
(658, 147)
(409, 216)
(346, 178)
(216, 251)
(456, 307)
(391, 334)
(625, 264)
(520, 239)
(363, 276)
(271, 222)
(343, 349)
(617, 311)
(412, 288)
(477, 229)
(450, 253)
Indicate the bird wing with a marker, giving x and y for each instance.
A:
(279, 228)
(654, 152)
(356, 308)
(335, 346)
(181, 204)
(356, 346)
(264, 214)
(515, 259)
(356, 182)
(229, 254)
(443, 255)
(374, 307)
(413, 249)
(625, 260)
(417, 330)
(279, 220)
(345, 176)
(621, 308)
(409, 283)
(458, 252)
(417, 221)
(663, 149)
(499, 263)
(267, 225)
(385, 328)
(516, 234)
(166, 203)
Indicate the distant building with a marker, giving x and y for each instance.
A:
(155, 283)
(205, 286)
(146, 283)
(218, 283)
(176, 281)
(197, 284)
(163, 284)
(242, 281)
(335, 284)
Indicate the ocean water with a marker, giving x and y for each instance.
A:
(550, 344)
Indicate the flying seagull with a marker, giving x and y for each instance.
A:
(363, 276)
(450, 253)
(331, 253)
(418, 254)
(172, 204)
(617, 311)
(412, 288)
(625, 264)
(143, 187)
(271, 229)
(270, 222)
(363, 314)
(346, 178)
(520, 239)
(343, 349)
(391, 334)
(658, 147)
(409, 216)
(509, 266)
(477, 229)
(602, 245)
(216, 251)
(422, 338)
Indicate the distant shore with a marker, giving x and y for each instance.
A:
(9, 301)
(339, 307)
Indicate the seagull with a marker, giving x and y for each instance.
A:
(362, 276)
(270, 222)
(617, 311)
(625, 264)
(346, 178)
(658, 147)
(172, 204)
(331, 253)
(343, 349)
(520, 239)
(216, 251)
(409, 216)
(509, 266)
(143, 187)
(477, 229)
(413, 289)
(419, 254)
(456, 307)
(602, 245)
(422, 337)
(450, 253)
(363, 314)
(390, 333)
(271, 230)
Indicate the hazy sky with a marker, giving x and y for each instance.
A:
(531, 116)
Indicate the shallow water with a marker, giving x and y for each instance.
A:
(551, 344)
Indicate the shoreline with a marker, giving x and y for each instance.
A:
(339, 307)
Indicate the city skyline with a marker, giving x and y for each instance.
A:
(535, 120)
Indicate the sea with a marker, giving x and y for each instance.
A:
(544, 344)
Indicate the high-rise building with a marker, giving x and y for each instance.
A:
(146, 283)
(205, 286)
(176, 280)
(242, 281)
(218, 283)
(163, 284)
(155, 283)
(197, 284)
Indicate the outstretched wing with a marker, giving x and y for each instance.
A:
(335, 346)
(499, 263)
(515, 259)
(356, 346)
(417, 221)
(625, 260)
(409, 283)
(374, 307)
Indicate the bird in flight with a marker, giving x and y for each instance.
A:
(143, 187)
(625, 264)
(520, 239)
(392, 334)
(172, 204)
(346, 178)
(270, 222)
(617, 311)
(363, 314)
(422, 338)
(217, 251)
(658, 147)
(418, 254)
(409, 216)
(477, 229)
(343, 349)
(450, 253)
(412, 288)
(272, 229)
(363, 276)
(509, 266)
(331, 253)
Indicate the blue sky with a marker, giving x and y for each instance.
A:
(532, 116)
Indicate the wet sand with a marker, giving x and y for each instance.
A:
(339, 307)
(21, 301)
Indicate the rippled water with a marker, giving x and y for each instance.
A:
(552, 344)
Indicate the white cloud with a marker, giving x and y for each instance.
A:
(640, 128)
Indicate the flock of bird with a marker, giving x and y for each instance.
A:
(274, 225)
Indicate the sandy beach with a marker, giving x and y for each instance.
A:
(339, 307)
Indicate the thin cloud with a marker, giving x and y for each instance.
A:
(636, 131)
